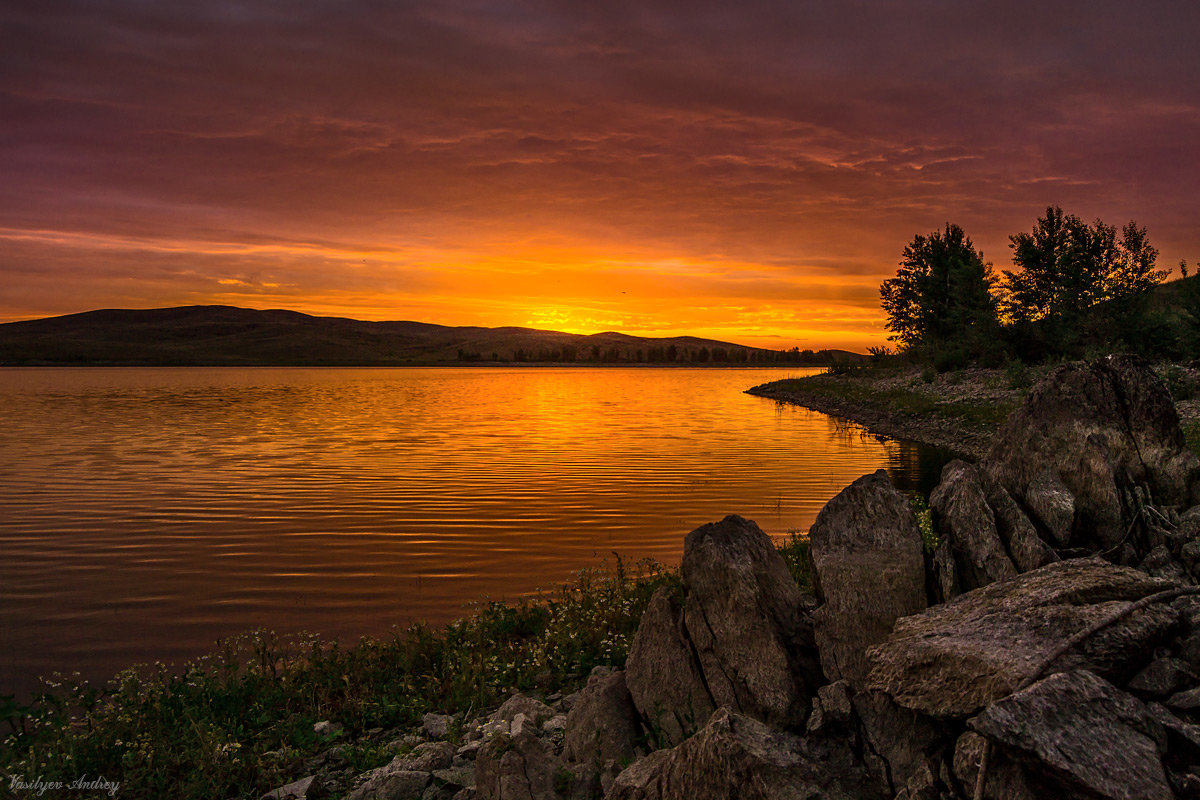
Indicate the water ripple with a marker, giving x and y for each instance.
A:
(148, 512)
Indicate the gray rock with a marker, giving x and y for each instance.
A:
(387, 783)
(408, 741)
(437, 726)
(954, 659)
(663, 674)
(520, 723)
(1188, 700)
(602, 728)
(1020, 537)
(327, 729)
(556, 724)
(456, 776)
(407, 776)
(296, 790)
(519, 768)
(469, 750)
(1189, 524)
(831, 707)
(428, 757)
(535, 711)
(1079, 731)
(1162, 677)
(744, 617)
(945, 573)
(641, 779)
(1189, 649)
(963, 516)
(738, 758)
(1004, 781)
(1099, 429)
(867, 555)
(898, 736)
(1051, 504)
(1190, 554)
(1183, 738)
(1159, 563)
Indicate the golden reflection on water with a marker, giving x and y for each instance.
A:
(148, 512)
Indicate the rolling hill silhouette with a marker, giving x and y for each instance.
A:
(230, 336)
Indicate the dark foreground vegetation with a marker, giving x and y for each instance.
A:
(240, 721)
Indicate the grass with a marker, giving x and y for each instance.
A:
(240, 721)
(983, 416)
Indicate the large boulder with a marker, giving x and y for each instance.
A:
(744, 639)
(735, 757)
(955, 659)
(602, 728)
(746, 622)
(1085, 437)
(966, 521)
(867, 553)
(663, 674)
(1077, 731)
(741, 638)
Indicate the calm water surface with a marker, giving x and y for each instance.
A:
(147, 512)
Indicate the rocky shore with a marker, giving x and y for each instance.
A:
(1047, 646)
(957, 411)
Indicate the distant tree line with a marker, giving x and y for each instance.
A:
(1078, 288)
(668, 354)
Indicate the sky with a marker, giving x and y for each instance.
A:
(746, 171)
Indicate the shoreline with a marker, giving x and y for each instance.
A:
(933, 432)
(958, 411)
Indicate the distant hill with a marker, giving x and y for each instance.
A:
(229, 336)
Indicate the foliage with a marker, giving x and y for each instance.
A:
(1068, 267)
(924, 515)
(878, 354)
(1189, 307)
(942, 293)
(798, 557)
(240, 721)
(1077, 288)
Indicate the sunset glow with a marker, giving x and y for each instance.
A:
(747, 173)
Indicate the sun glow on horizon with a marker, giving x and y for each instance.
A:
(582, 288)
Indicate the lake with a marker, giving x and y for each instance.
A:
(147, 512)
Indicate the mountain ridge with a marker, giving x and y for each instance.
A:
(220, 335)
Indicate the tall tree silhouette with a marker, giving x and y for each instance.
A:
(942, 292)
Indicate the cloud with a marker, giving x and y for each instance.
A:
(799, 140)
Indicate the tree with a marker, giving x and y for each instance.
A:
(1068, 266)
(942, 293)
